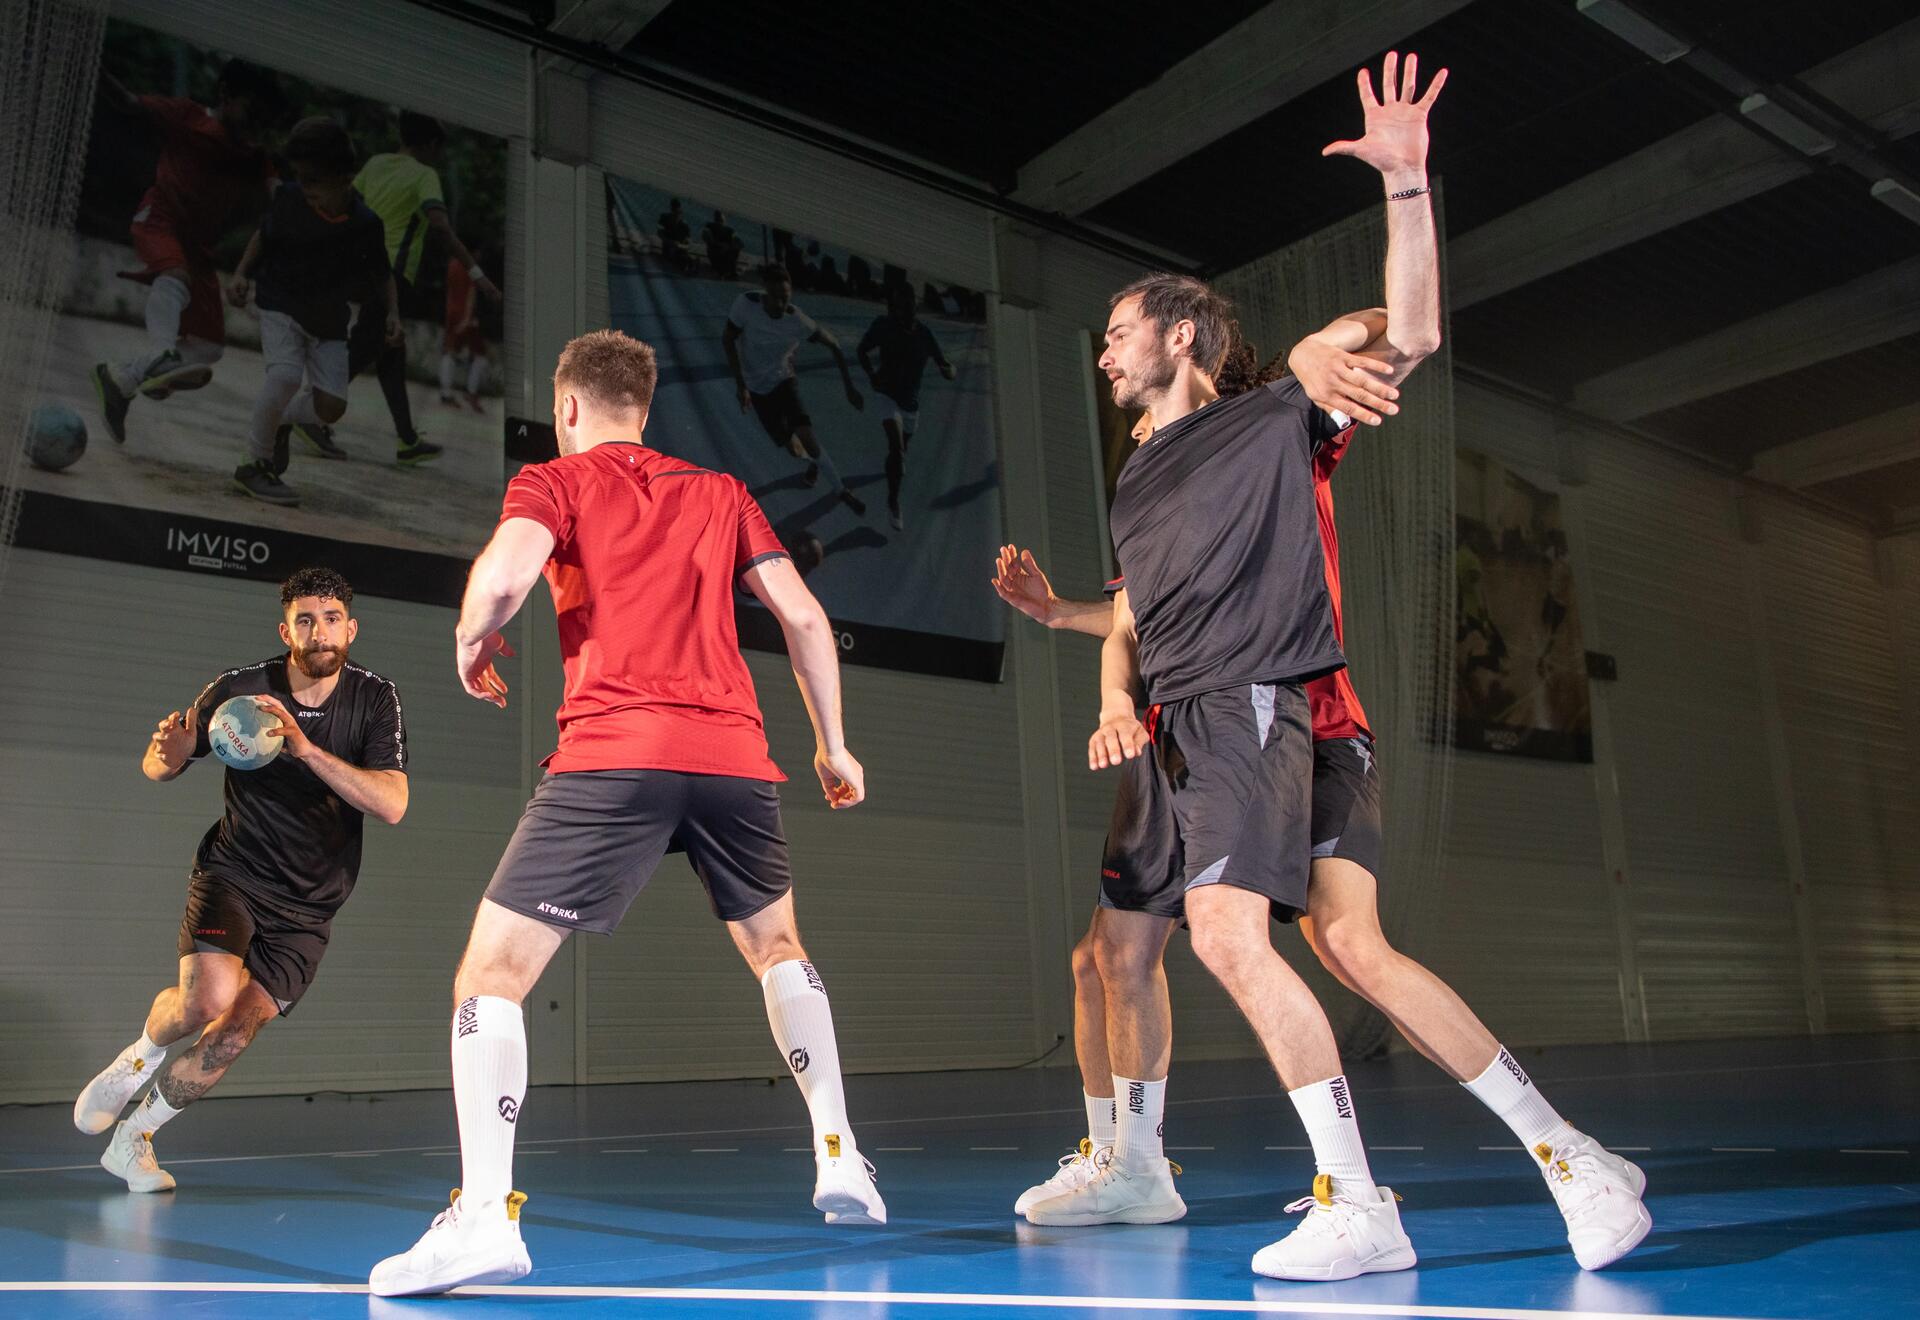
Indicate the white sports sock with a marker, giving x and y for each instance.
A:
(1326, 1111)
(167, 300)
(1505, 1088)
(802, 1022)
(153, 1113)
(825, 460)
(476, 373)
(300, 411)
(1103, 1119)
(446, 375)
(276, 392)
(489, 1082)
(147, 1052)
(1140, 1113)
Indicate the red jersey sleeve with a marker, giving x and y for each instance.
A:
(534, 493)
(1331, 449)
(755, 543)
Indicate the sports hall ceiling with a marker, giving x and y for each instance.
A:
(1624, 241)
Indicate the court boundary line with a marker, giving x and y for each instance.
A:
(1029, 1301)
(523, 1146)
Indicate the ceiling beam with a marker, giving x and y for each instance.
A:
(1871, 310)
(1261, 63)
(609, 23)
(1844, 451)
(1713, 164)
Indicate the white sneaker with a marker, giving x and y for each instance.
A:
(1116, 1194)
(1599, 1194)
(483, 1247)
(1339, 1238)
(129, 1156)
(1075, 1171)
(107, 1094)
(843, 1185)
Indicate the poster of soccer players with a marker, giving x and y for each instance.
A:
(280, 338)
(1520, 678)
(855, 399)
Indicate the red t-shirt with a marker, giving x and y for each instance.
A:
(1335, 704)
(647, 550)
(204, 182)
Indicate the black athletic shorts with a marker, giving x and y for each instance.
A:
(1346, 802)
(1221, 796)
(781, 412)
(590, 840)
(281, 952)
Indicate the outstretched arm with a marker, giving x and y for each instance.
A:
(832, 346)
(496, 588)
(438, 222)
(1395, 143)
(1018, 581)
(816, 668)
(1121, 736)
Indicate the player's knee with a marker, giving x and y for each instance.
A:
(204, 1002)
(1123, 961)
(1225, 950)
(1354, 951)
(1086, 963)
(328, 408)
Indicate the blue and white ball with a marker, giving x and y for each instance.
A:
(238, 734)
(56, 437)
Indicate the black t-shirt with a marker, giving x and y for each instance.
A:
(312, 265)
(1215, 526)
(286, 837)
(904, 353)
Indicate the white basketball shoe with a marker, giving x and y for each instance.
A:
(129, 1157)
(107, 1094)
(843, 1187)
(1076, 1171)
(1339, 1239)
(458, 1248)
(1599, 1195)
(1117, 1194)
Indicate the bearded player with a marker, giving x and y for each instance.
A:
(271, 873)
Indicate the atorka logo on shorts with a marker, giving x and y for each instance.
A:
(565, 914)
(798, 1061)
(1342, 1102)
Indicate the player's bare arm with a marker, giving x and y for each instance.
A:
(816, 668)
(1018, 580)
(730, 340)
(1121, 736)
(496, 588)
(1339, 376)
(1395, 143)
(832, 345)
(170, 750)
(379, 793)
(240, 287)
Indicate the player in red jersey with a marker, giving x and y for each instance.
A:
(661, 747)
(1117, 967)
(464, 341)
(213, 175)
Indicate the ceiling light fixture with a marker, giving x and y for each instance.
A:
(1634, 28)
(1894, 194)
(1785, 125)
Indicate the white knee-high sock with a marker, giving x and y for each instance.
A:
(476, 373)
(1506, 1089)
(301, 412)
(167, 300)
(1103, 1119)
(802, 1022)
(1326, 1111)
(276, 392)
(489, 1082)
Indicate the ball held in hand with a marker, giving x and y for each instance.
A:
(238, 734)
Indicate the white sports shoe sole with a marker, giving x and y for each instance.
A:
(843, 1205)
(135, 1179)
(1152, 1212)
(492, 1265)
(1633, 1237)
(1349, 1267)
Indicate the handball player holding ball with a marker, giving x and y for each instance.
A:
(312, 744)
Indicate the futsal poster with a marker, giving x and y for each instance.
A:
(165, 363)
(1520, 679)
(860, 417)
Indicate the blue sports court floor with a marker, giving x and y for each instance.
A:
(1784, 1181)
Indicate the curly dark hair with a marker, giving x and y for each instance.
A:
(321, 582)
(1240, 369)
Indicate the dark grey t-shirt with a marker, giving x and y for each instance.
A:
(1215, 527)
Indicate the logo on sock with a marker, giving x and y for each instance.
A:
(565, 914)
(467, 1021)
(833, 1146)
(813, 977)
(1160, 1128)
(798, 1061)
(508, 1109)
(1342, 1102)
(1519, 1073)
(1136, 1098)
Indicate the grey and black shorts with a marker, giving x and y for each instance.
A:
(1346, 802)
(590, 840)
(1223, 795)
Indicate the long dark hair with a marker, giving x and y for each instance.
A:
(1240, 369)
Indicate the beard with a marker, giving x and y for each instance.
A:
(322, 662)
(565, 439)
(1138, 388)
